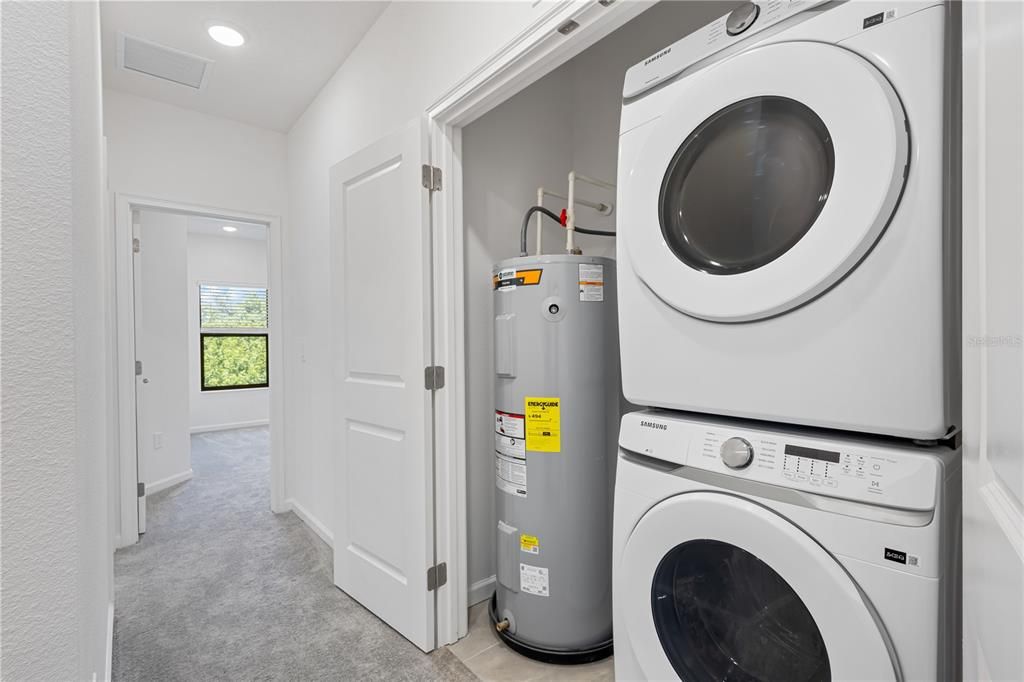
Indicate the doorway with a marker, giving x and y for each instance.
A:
(198, 344)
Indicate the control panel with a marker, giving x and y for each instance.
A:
(867, 470)
(739, 24)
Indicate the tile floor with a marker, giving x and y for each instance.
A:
(489, 658)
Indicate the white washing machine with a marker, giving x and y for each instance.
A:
(745, 552)
(784, 250)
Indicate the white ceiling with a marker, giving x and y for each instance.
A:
(291, 51)
(214, 228)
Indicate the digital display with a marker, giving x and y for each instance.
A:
(813, 453)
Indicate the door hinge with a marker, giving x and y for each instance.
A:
(138, 368)
(433, 377)
(136, 245)
(142, 489)
(437, 576)
(432, 177)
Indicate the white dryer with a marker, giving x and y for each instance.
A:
(784, 250)
(743, 553)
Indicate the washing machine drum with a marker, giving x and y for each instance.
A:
(767, 180)
(717, 587)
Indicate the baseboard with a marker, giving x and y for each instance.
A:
(165, 483)
(228, 427)
(110, 642)
(313, 522)
(481, 590)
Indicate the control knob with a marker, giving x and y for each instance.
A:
(741, 18)
(737, 453)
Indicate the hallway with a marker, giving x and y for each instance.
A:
(221, 588)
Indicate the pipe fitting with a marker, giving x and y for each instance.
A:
(501, 625)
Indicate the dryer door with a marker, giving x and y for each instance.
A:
(767, 180)
(716, 587)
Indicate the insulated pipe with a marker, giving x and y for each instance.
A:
(570, 226)
(540, 222)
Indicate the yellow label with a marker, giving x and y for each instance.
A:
(529, 544)
(543, 424)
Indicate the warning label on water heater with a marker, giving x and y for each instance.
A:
(591, 282)
(510, 453)
(543, 424)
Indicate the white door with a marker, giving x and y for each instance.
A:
(766, 180)
(993, 351)
(140, 379)
(718, 587)
(383, 422)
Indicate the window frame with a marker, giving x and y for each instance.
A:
(205, 332)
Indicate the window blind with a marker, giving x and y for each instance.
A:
(232, 307)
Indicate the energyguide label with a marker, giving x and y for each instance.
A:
(543, 424)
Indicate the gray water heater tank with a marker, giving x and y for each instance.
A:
(556, 422)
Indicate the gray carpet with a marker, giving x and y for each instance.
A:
(219, 588)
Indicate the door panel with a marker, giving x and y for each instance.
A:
(380, 254)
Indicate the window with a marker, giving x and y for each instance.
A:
(233, 338)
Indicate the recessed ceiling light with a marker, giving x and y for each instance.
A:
(225, 35)
(229, 228)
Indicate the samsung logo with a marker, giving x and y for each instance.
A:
(654, 425)
(657, 56)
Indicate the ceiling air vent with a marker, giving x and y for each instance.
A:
(142, 56)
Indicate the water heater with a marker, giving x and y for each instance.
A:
(556, 419)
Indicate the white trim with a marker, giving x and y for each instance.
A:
(165, 483)
(109, 660)
(482, 590)
(315, 524)
(533, 53)
(124, 204)
(228, 427)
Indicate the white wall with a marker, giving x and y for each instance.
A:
(162, 151)
(161, 343)
(222, 260)
(411, 56)
(569, 119)
(57, 574)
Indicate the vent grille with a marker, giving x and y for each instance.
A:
(143, 56)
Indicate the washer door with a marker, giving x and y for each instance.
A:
(766, 181)
(716, 587)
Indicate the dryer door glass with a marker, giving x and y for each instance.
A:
(746, 185)
(723, 614)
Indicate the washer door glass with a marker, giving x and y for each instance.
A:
(746, 185)
(723, 614)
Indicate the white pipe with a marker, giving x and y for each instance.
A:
(540, 221)
(599, 206)
(570, 226)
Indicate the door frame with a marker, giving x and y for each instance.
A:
(531, 55)
(127, 464)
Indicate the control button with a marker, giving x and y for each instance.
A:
(789, 474)
(741, 18)
(832, 483)
(815, 481)
(801, 477)
(846, 468)
(737, 453)
(876, 467)
(876, 485)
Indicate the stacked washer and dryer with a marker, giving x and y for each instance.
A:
(788, 508)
